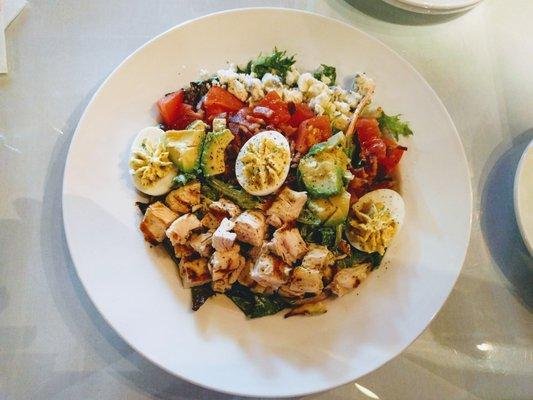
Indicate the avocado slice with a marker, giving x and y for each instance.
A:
(212, 161)
(331, 211)
(184, 148)
(322, 178)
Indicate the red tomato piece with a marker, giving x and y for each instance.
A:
(299, 113)
(280, 110)
(393, 156)
(219, 100)
(312, 131)
(175, 113)
(367, 128)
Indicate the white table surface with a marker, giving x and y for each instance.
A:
(53, 343)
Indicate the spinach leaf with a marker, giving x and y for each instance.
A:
(200, 294)
(328, 236)
(238, 196)
(255, 305)
(196, 90)
(277, 63)
(392, 125)
(357, 257)
(326, 71)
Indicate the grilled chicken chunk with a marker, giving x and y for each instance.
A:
(286, 207)
(304, 280)
(288, 244)
(193, 271)
(211, 221)
(225, 268)
(157, 219)
(270, 271)
(251, 227)
(349, 278)
(201, 243)
(182, 250)
(245, 279)
(224, 208)
(181, 229)
(184, 198)
(317, 257)
(223, 239)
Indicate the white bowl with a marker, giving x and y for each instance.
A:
(135, 287)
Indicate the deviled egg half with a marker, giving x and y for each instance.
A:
(375, 219)
(263, 163)
(151, 169)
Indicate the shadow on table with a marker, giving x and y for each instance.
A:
(498, 222)
(380, 10)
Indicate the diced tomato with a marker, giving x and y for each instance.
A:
(288, 130)
(219, 100)
(393, 155)
(387, 151)
(367, 128)
(312, 131)
(299, 113)
(280, 111)
(175, 113)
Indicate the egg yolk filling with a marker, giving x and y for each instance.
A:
(264, 164)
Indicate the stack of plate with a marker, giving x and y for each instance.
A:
(434, 6)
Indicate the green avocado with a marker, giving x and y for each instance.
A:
(322, 169)
(212, 161)
(331, 211)
(184, 148)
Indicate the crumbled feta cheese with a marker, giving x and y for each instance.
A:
(253, 86)
(342, 107)
(291, 78)
(226, 75)
(320, 103)
(305, 81)
(317, 88)
(352, 99)
(272, 82)
(237, 89)
(293, 95)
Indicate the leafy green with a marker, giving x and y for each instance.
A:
(209, 192)
(255, 305)
(328, 236)
(183, 178)
(327, 71)
(200, 294)
(357, 257)
(277, 63)
(392, 125)
(238, 196)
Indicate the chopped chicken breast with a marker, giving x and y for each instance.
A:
(288, 244)
(251, 227)
(317, 258)
(225, 267)
(181, 229)
(304, 280)
(270, 271)
(286, 207)
(201, 243)
(225, 208)
(211, 221)
(184, 198)
(223, 239)
(181, 250)
(194, 272)
(157, 219)
(349, 278)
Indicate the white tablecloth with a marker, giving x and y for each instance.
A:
(53, 343)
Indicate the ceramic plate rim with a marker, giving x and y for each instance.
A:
(128, 59)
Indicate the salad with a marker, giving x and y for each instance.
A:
(272, 186)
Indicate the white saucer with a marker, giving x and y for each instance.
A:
(523, 196)
(434, 6)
